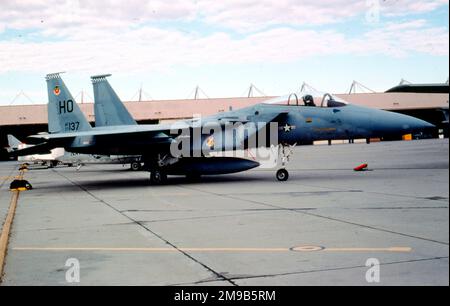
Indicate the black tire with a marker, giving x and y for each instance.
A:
(282, 175)
(158, 177)
(135, 166)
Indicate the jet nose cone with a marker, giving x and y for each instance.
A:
(391, 124)
(416, 126)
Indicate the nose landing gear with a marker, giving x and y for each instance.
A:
(285, 152)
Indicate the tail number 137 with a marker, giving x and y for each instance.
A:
(72, 126)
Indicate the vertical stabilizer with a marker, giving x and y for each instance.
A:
(109, 109)
(64, 115)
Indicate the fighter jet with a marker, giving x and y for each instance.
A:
(186, 147)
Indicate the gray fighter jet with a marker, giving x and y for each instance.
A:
(189, 147)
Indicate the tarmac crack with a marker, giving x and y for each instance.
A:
(219, 276)
(244, 212)
(194, 218)
(321, 216)
(431, 198)
(406, 208)
(377, 228)
(237, 278)
(337, 269)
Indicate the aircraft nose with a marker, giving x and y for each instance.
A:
(421, 125)
(395, 124)
(414, 126)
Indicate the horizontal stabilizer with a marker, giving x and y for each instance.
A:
(43, 148)
(13, 142)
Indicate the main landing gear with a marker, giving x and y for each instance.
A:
(158, 177)
(284, 152)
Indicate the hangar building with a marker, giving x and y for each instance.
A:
(429, 102)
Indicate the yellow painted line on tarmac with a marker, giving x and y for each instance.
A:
(4, 236)
(10, 177)
(153, 250)
(213, 250)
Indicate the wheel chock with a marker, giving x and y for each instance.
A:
(362, 167)
(20, 185)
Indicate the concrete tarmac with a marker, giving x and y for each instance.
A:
(319, 228)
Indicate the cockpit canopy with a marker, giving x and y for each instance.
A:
(309, 99)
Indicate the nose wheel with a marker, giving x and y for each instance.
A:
(282, 175)
(285, 151)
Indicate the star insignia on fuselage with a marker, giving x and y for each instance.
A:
(287, 128)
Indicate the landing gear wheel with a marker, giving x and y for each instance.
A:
(282, 175)
(158, 177)
(284, 153)
(135, 166)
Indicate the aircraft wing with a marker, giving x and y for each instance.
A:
(117, 140)
(117, 131)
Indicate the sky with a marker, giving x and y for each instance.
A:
(170, 47)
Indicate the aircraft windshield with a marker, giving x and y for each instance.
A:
(310, 99)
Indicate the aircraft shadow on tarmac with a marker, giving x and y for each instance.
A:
(84, 170)
(140, 182)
